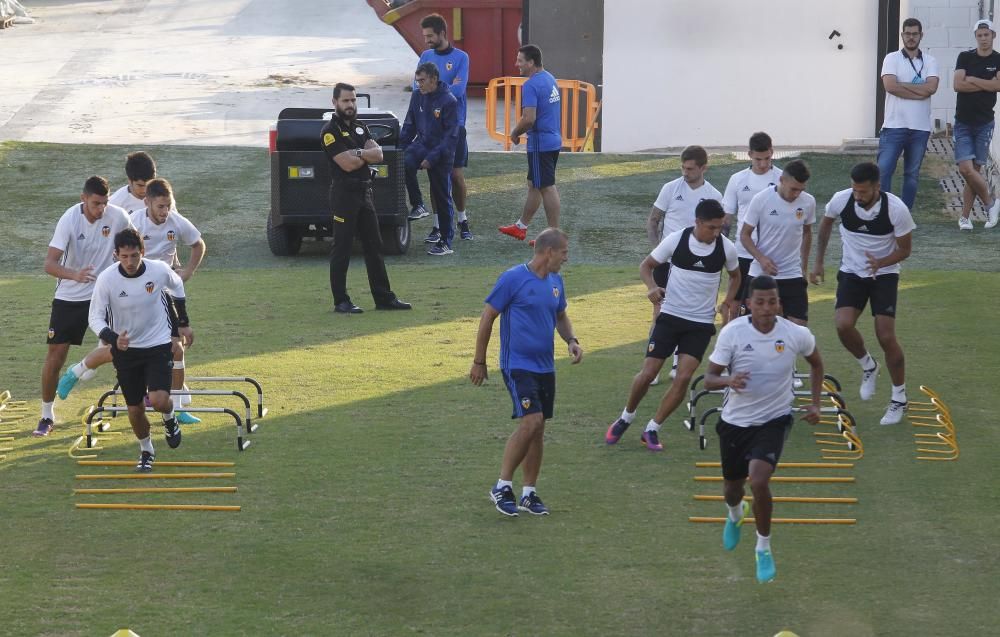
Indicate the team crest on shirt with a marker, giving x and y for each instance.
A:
(437, 113)
(651, 346)
(448, 66)
(171, 235)
(359, 130)
(149, 287)
(526, 402)
(52, 333)
(328, 139)
(555, 291)
(105, 231)
(799, 213)
(779, 346)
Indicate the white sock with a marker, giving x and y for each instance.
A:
(628, 416)
(899, 393)
(763, 542)
(79, 369)
(675, 360)
(175, 400)
(526, 491)
(47, 411)
(652, 425)
(186, 398)
(736, 511)
(169, 416)
(461, 216)
(866, 361)
(520, 225)
(146, 444)
(504, 483)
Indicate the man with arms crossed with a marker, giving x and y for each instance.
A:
(877, 234)
(697, 257)
(531, 300)
(81, 247)
(760, 352)
(131, 312)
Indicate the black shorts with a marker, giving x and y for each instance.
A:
(68, 322)
(143, 369)
(461, 150)
(744, 290)
(687, 337)
(542, 167)
(855, 291)
(531, 392)
(739, 445)
(661, 274)
(793, 296)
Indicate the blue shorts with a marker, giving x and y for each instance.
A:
(542, 167)
(461, 150)
(531, 392)
(972, 142)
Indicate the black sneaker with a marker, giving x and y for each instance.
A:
(464, 232)
(145, 464)
(44, 428)
(533, 504)
(173, 433)
(434, 236)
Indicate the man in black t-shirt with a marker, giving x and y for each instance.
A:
(976, 82)
(350, 148)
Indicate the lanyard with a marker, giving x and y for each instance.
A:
(914, 66)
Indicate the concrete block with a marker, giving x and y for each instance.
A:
(950, 17)
(961, 38)
(934, 38)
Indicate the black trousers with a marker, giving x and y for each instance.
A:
(354, 214)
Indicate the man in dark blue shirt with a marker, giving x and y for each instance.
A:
(541, 119)
(531, 301)
(429, 135)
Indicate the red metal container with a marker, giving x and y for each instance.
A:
(488, 30)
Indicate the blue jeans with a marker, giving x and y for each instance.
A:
(911, 144)
(972, 142)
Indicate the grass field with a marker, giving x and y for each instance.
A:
(364, 495)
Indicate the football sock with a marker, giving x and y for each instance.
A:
(505, 483)
(628, 416)
(763, 542)
(520, 225)
(146, 444)
(47, 411)
(652, 425)
(461, 216)
(867, 362)
(899, 393)
(526, 491)
(735, 511)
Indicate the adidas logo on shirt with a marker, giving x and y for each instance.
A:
(122, 293)
(746, 188)
(748, 348)
(698, 264)
(773, 213)
(863, 228)
(554, 95)
(677, 198)
(81, 237)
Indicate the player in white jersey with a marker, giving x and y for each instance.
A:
(81, 247)
(877, 234)
(760, 352)
(673, 210)
(161, 228)
(139, 169)
(687, 307)
(132, 312)
(782, 217)
(742, 187)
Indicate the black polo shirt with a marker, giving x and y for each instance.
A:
(976, 108)
(339, 135)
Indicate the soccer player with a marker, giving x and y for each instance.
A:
(131, 312)
(81, 247)
(139, 169)
(697, 256)
(531, 301)
(741, 189)
(541, 119)
(760, 352)
(782, 216)
(876, 230)
(161, 228)
(673, 210)
(453, 66)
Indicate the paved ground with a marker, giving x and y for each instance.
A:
(202, 72)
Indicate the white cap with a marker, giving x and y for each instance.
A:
(983, 24)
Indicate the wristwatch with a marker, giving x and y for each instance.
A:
(357, 152)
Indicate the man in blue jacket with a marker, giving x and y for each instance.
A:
(428, 138)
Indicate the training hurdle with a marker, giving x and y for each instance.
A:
(169, 463)
(803, 479)
(92, 441)
(158, 490)
(781, 520)
(781, 498)
(785, 465)
(261, 410)
(161, 507)
(153, 476)
(251, 426)
(11, 412)
(241, 444)
(942, 444)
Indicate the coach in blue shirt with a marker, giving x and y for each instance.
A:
(541, 118)
(429, 135)
(531, 301)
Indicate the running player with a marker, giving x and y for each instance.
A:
(139, 169)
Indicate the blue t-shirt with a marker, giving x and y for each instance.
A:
(542, 92)
(528, 307)
(453, 66)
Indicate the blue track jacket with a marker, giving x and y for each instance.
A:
(432, 122)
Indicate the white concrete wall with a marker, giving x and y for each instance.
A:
(714, 71)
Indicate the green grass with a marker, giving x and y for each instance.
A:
(364, 495)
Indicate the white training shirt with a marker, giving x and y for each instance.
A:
(770, 360)
(904, 113)
(123, 198)
(780, 225)
(692, 295)
(856, 244)
(84, 243)
(136, 304)
(678, 200)
(742, 187)
(161, 240)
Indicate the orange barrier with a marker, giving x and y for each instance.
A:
(577, 135)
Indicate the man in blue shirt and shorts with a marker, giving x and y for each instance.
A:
(531, 300)
(541, 119)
